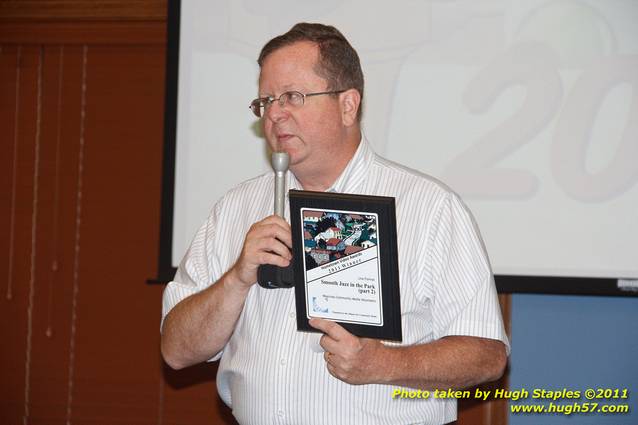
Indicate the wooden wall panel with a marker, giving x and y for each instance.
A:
(82, 33)
(115, 312)
(46, 393)
(81, 121)
(20, 66)
(82, 10)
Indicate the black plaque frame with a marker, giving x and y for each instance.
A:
(384, 208)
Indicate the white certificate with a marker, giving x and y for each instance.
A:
(341, 264)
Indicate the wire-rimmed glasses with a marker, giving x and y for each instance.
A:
(291, 98)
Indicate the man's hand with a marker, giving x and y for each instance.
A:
(349, 358)
(450, 362)
(267, 242)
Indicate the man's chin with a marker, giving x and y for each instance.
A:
(294, 159)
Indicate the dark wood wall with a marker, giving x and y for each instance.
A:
(81, 121)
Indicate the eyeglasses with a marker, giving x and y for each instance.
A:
(290, 98)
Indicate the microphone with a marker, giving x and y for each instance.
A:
(270, 276)
(279, 162)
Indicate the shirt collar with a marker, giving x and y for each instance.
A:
(350, 179)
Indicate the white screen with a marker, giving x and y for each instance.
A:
(528, 109)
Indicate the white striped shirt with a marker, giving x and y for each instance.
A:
(269, 373)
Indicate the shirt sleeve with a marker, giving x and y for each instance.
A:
(463, 294)
(199, 269)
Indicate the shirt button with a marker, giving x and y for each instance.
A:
(280, 413)
(282, 361)
(292, 315)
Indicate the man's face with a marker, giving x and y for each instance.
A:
(312, 134)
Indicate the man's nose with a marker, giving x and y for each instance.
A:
(276, 113)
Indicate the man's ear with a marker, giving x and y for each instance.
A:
(350, 101)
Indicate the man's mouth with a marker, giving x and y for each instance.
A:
(284, 137)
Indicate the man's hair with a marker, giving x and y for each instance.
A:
(338, 62)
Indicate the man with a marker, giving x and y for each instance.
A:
(310, 92)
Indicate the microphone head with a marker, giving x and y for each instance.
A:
(279, 161)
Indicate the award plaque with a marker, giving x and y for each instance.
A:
(345, 262)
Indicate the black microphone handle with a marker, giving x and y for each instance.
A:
(268, 275)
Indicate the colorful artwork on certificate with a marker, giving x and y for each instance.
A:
(342, 269)
(332, 235)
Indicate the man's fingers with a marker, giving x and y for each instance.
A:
(267, 242)
(336, 340)
(332, 370)
(274, 230)
(272, 246)
(330, 345)
(276, 227)
(274, 259)
(330, 328)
